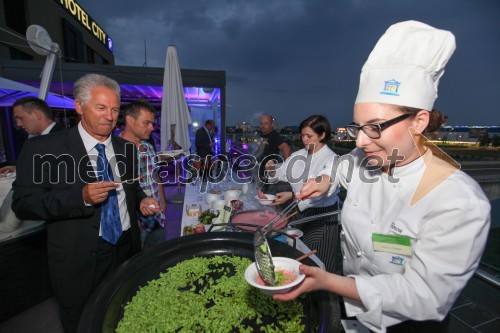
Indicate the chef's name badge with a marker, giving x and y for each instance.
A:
(392, 243)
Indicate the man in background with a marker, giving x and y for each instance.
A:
(139, 124)
(35, 117)
(204, 144)
(272, 144)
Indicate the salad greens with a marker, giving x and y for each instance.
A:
(207, 216)
(208, 295)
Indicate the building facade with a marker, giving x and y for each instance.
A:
(79, 37)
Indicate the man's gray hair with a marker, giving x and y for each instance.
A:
(83, 85)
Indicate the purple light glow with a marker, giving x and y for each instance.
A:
(195, 96)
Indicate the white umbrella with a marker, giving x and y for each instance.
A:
(175, 116)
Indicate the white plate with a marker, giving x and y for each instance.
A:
(172, 152)
(266, 202)
(8, 175)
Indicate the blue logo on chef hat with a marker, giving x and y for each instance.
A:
(397, 260)
(391, 87)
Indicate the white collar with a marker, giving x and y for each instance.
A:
(89, 141)
(47, 130)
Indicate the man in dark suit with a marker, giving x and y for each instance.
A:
(35, 117)
(83, 183)
(204, 144)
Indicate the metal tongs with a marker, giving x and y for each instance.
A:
(263, 258)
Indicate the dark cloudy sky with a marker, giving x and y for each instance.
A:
(294, 58)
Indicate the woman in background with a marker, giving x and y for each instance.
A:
(320, 234)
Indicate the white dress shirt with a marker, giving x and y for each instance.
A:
(47, 130)
(90, 143)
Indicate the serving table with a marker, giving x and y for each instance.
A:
(195, 194)
(175, 157)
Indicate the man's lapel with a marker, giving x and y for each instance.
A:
(76, 148)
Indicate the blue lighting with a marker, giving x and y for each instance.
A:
(109, 43)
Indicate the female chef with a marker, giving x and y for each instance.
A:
(320, 234)
(414, 226)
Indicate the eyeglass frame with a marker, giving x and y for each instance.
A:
(380, 127)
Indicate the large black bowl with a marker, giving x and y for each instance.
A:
(105, 308)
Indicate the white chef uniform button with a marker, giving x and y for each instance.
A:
(344, 257)
(356, 203)
(373, 221)
(342, 232)
(358, 253)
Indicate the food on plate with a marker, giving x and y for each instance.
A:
(282, 277)
(261, 194)
(188, 230)
(199, 228)
(208, 295)
(207, 216)
(237, 206)
(295, 233)
(257, 218)
(267, 201)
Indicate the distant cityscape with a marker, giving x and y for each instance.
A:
(475, 136)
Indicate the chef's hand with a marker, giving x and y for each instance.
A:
(281, 198)
(316, 279)
(319, 279)
(95, 193)
(314, 187)
(149, 206)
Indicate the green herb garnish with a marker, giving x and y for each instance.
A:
(280, 278)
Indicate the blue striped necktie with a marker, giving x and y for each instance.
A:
(111, 227)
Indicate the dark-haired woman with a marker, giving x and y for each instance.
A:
(321, 234)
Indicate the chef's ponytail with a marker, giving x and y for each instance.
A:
(436, 118)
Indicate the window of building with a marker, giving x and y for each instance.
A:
(15, 15)
(90, 55)
(73, 43)
(15, 54)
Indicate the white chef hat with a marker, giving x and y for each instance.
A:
(405, 66)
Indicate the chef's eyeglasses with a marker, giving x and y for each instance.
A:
(374, 131)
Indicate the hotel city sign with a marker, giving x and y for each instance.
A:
(75, 10)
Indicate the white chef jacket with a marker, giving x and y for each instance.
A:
(294, 171)
(448, 228)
